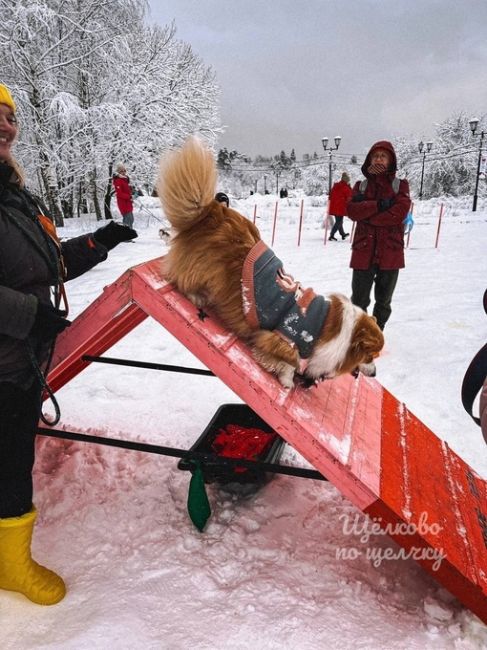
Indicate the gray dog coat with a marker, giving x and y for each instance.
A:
(273, 300)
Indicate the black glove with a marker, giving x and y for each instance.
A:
(385, 204)
(357, 198)
(111, 235)
(49, 322)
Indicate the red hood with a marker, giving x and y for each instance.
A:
(382, 144)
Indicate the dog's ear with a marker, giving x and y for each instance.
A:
(368, 339)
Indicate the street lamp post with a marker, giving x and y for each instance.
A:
(473, 127)
(295, 176)
(277, 169)
(429, 145)
(324, 142)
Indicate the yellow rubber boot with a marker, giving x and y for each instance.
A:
(18, 571)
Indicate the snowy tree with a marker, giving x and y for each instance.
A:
(453, 161)
(451, 166)
(96, 85)
(223, 159)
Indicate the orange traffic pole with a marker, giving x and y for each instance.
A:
(274, 224)
(439, 226)
(326, 222)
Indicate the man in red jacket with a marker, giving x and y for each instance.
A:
(379, 205)
(340, 195)
(123, 192)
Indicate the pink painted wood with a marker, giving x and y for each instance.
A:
(373, 449)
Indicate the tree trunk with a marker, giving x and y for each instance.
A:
(94, 195)
(47, 175)
(81, 207)
(52, 195)
(108, 194)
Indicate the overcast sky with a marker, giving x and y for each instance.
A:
(292, 71)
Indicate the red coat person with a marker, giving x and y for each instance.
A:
(379, 235)
(340, 195)
(123, 191)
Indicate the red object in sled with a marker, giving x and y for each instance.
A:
(235, 441)
(356, 433)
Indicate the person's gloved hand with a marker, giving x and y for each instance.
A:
(408, 223)
(385, 204)
(49, 322)
(357, 198)
(377, 168)
(113, 234)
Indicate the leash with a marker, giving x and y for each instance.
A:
(141, 206)
(41, 377)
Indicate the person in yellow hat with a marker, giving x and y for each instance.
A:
(33, 263)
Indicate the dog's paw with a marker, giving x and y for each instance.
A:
(165, 236)
(197, 299)
(308, 382)
(303, 381)
(286, 376)
(368, 369)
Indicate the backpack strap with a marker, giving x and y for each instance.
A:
(475, 376)
(473, 381)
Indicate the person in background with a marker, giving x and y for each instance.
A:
(340, 195)
(221, 197)
(33, 265)
(123, 193)
(379, 206)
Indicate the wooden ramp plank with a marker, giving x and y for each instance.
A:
(374, 450)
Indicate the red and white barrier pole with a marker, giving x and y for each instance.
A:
(352, 234)
(327, 212)
(274, 224)
(255, 212)
(300, 222)
(439, 226)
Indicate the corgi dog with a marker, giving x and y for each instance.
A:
(217, 258)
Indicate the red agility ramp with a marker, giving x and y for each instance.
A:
(353, 431)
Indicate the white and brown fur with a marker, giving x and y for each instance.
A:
(208, 246)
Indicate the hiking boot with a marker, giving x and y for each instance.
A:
(345, 235)
(332, 239)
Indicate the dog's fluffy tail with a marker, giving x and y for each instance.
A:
(187, 183)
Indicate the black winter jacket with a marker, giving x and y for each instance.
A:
(29, 266)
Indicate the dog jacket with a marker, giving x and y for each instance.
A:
(273, 300)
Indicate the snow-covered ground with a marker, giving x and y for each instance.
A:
(264, 574)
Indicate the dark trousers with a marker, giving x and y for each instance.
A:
(19, 415)
(338, 226)
(128, 219)
(384, 284)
